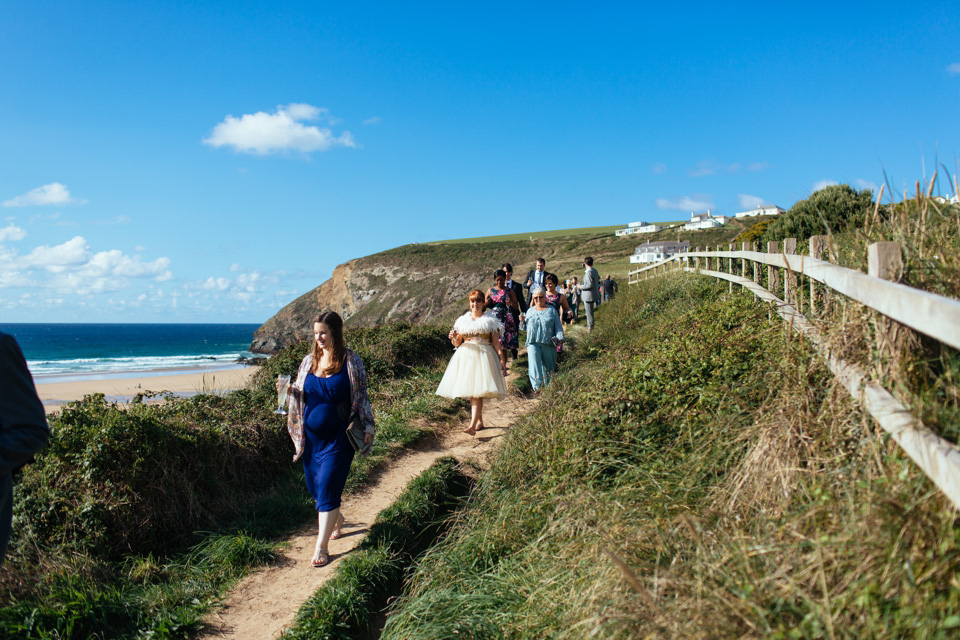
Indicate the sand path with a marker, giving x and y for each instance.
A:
(266, 601)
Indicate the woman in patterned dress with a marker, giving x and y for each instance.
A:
(506, 307)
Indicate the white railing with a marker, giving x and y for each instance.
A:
(935, 316)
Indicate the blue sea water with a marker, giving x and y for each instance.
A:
(59, 351)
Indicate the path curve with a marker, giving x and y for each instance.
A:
(265, 602)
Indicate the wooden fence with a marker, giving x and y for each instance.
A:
(803, 305)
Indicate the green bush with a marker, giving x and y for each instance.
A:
(830, 210)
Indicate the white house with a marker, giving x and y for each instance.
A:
(705, 221)
(657, 251)
(639, 227)
(762, 210)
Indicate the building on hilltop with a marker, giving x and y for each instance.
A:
(639, 227)
(657, 251)
(762, 210)
(705, 221)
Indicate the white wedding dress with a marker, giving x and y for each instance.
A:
(474, 369)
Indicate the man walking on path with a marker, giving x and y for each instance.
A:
(608, 288)
(23, 427)
(537, 276)
(589, 290)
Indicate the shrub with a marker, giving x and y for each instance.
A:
(829, 210)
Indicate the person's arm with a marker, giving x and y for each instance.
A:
(23, 424)
(495, 341)
(557, 326)
(513, 300)
(361, 401)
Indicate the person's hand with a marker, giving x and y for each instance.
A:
(367, 438)
(452, 334)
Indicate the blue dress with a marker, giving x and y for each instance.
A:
(327, 452)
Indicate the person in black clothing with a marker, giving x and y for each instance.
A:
(517, 289)
(608, 288)
(23, 427)
(536, 276)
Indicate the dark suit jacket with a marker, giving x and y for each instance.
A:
(517, 289)
(530, 277)
(23, 426)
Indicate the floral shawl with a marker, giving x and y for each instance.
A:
(360, 403)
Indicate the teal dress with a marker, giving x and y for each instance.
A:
(543, 327)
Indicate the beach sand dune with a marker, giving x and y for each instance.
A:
(55, 394)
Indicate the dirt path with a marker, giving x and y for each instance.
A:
(266, 601)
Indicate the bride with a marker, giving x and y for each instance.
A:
(478, 366)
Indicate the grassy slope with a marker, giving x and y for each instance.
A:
(695, 473)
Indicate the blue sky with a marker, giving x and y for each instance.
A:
(209, 162)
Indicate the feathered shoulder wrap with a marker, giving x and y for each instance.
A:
(467, 325)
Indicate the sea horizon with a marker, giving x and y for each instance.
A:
(63, 350)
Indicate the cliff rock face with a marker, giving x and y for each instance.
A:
(428, 283)
(368, 292)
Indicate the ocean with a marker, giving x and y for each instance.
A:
(61, 352)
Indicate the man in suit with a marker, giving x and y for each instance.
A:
(517, 289)
(537, 276)
(515, 286)
(589, 290)
(23, 427)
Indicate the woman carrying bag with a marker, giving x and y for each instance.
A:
(328, 397)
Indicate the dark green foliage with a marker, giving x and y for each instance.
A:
(133, 520)
(346, 605)
(830, 210)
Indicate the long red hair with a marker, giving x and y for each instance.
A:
(338, 354)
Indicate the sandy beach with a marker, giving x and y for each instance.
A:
(55, 393)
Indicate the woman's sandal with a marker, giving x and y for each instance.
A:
(320, 559)
(338, 530)
(471, 431)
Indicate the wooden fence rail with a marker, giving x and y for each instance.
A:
(927, 313)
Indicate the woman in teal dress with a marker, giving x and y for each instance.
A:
(544, 335)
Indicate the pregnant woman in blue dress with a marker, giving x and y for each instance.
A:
(331, 387)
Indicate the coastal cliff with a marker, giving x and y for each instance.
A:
(429, 283)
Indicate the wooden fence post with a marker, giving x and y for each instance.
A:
(790, 279)
(773, 281)
(817, 246)
(730, 267)
(755, 246)
(745, 246)
(885, 261)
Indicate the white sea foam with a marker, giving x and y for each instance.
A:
(136, 363)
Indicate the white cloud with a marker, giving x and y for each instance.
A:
(823, 183)
(711, 167)
(696, 202)
(12, 233)
(215, 284)
(74, 268)
(262, 133)
(866, 184)
(953, 68)
(749, 202)
(72, 252)
(658, 169)
(53, 193)
(373, 120)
